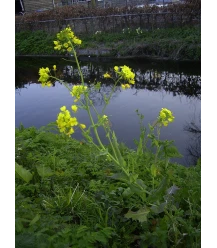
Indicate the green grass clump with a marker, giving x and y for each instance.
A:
(34, 43)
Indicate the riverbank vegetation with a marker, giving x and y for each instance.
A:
(171, 43)
(68, 196)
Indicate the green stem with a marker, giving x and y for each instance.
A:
(100, 150)
(86, 100)
(112, 146)
(110, 95)
(62, 82)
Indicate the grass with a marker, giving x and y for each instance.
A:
(67, 196)
(172, 43)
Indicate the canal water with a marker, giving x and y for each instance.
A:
(176, 86)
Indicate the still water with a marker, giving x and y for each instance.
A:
(158, 85)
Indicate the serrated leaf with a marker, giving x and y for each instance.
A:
(23, 173)
(140, 215)
(35, 219)
(44, 171)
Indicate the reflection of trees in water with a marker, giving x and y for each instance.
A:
(194, 147)
(178, 84)
(152, 80)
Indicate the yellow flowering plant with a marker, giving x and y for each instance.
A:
(67, 123)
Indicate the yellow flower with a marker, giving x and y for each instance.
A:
(74, 108)
(106, 75)
(76, 41)
(165, 117)
(63, 108)
(73, 121)
(116, 68)
(65, 45)
(131, 81)
(58, 47)
(77, 91)
(125, 86)
(65, 39)
(105, 117)
(54, 67)
(125, 73)
(65, 122)
(71, 131)
(49, 84)
(44, 74)
(82, 126)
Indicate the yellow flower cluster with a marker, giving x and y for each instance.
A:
(44, 74)
(125, 73)
(77, 91)
(125, 86)
(165, 117)
(65, 122)
(65, 40)
(106, 75)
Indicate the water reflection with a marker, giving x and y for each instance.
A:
(156, 86)
(194, 147)
(151, 80)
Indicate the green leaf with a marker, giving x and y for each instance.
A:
(172, 190)
(44, 171)
(159, 209)
(140, 144)
(127, 192)
(172, 152)
(159, 192)
(141, 192)
(23, 173)
(153, 170)
(121, 176)
(18, 225)
(140, 215)
(35, 219)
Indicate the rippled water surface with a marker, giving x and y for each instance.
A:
(158, 85)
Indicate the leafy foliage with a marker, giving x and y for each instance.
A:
(75, 198)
